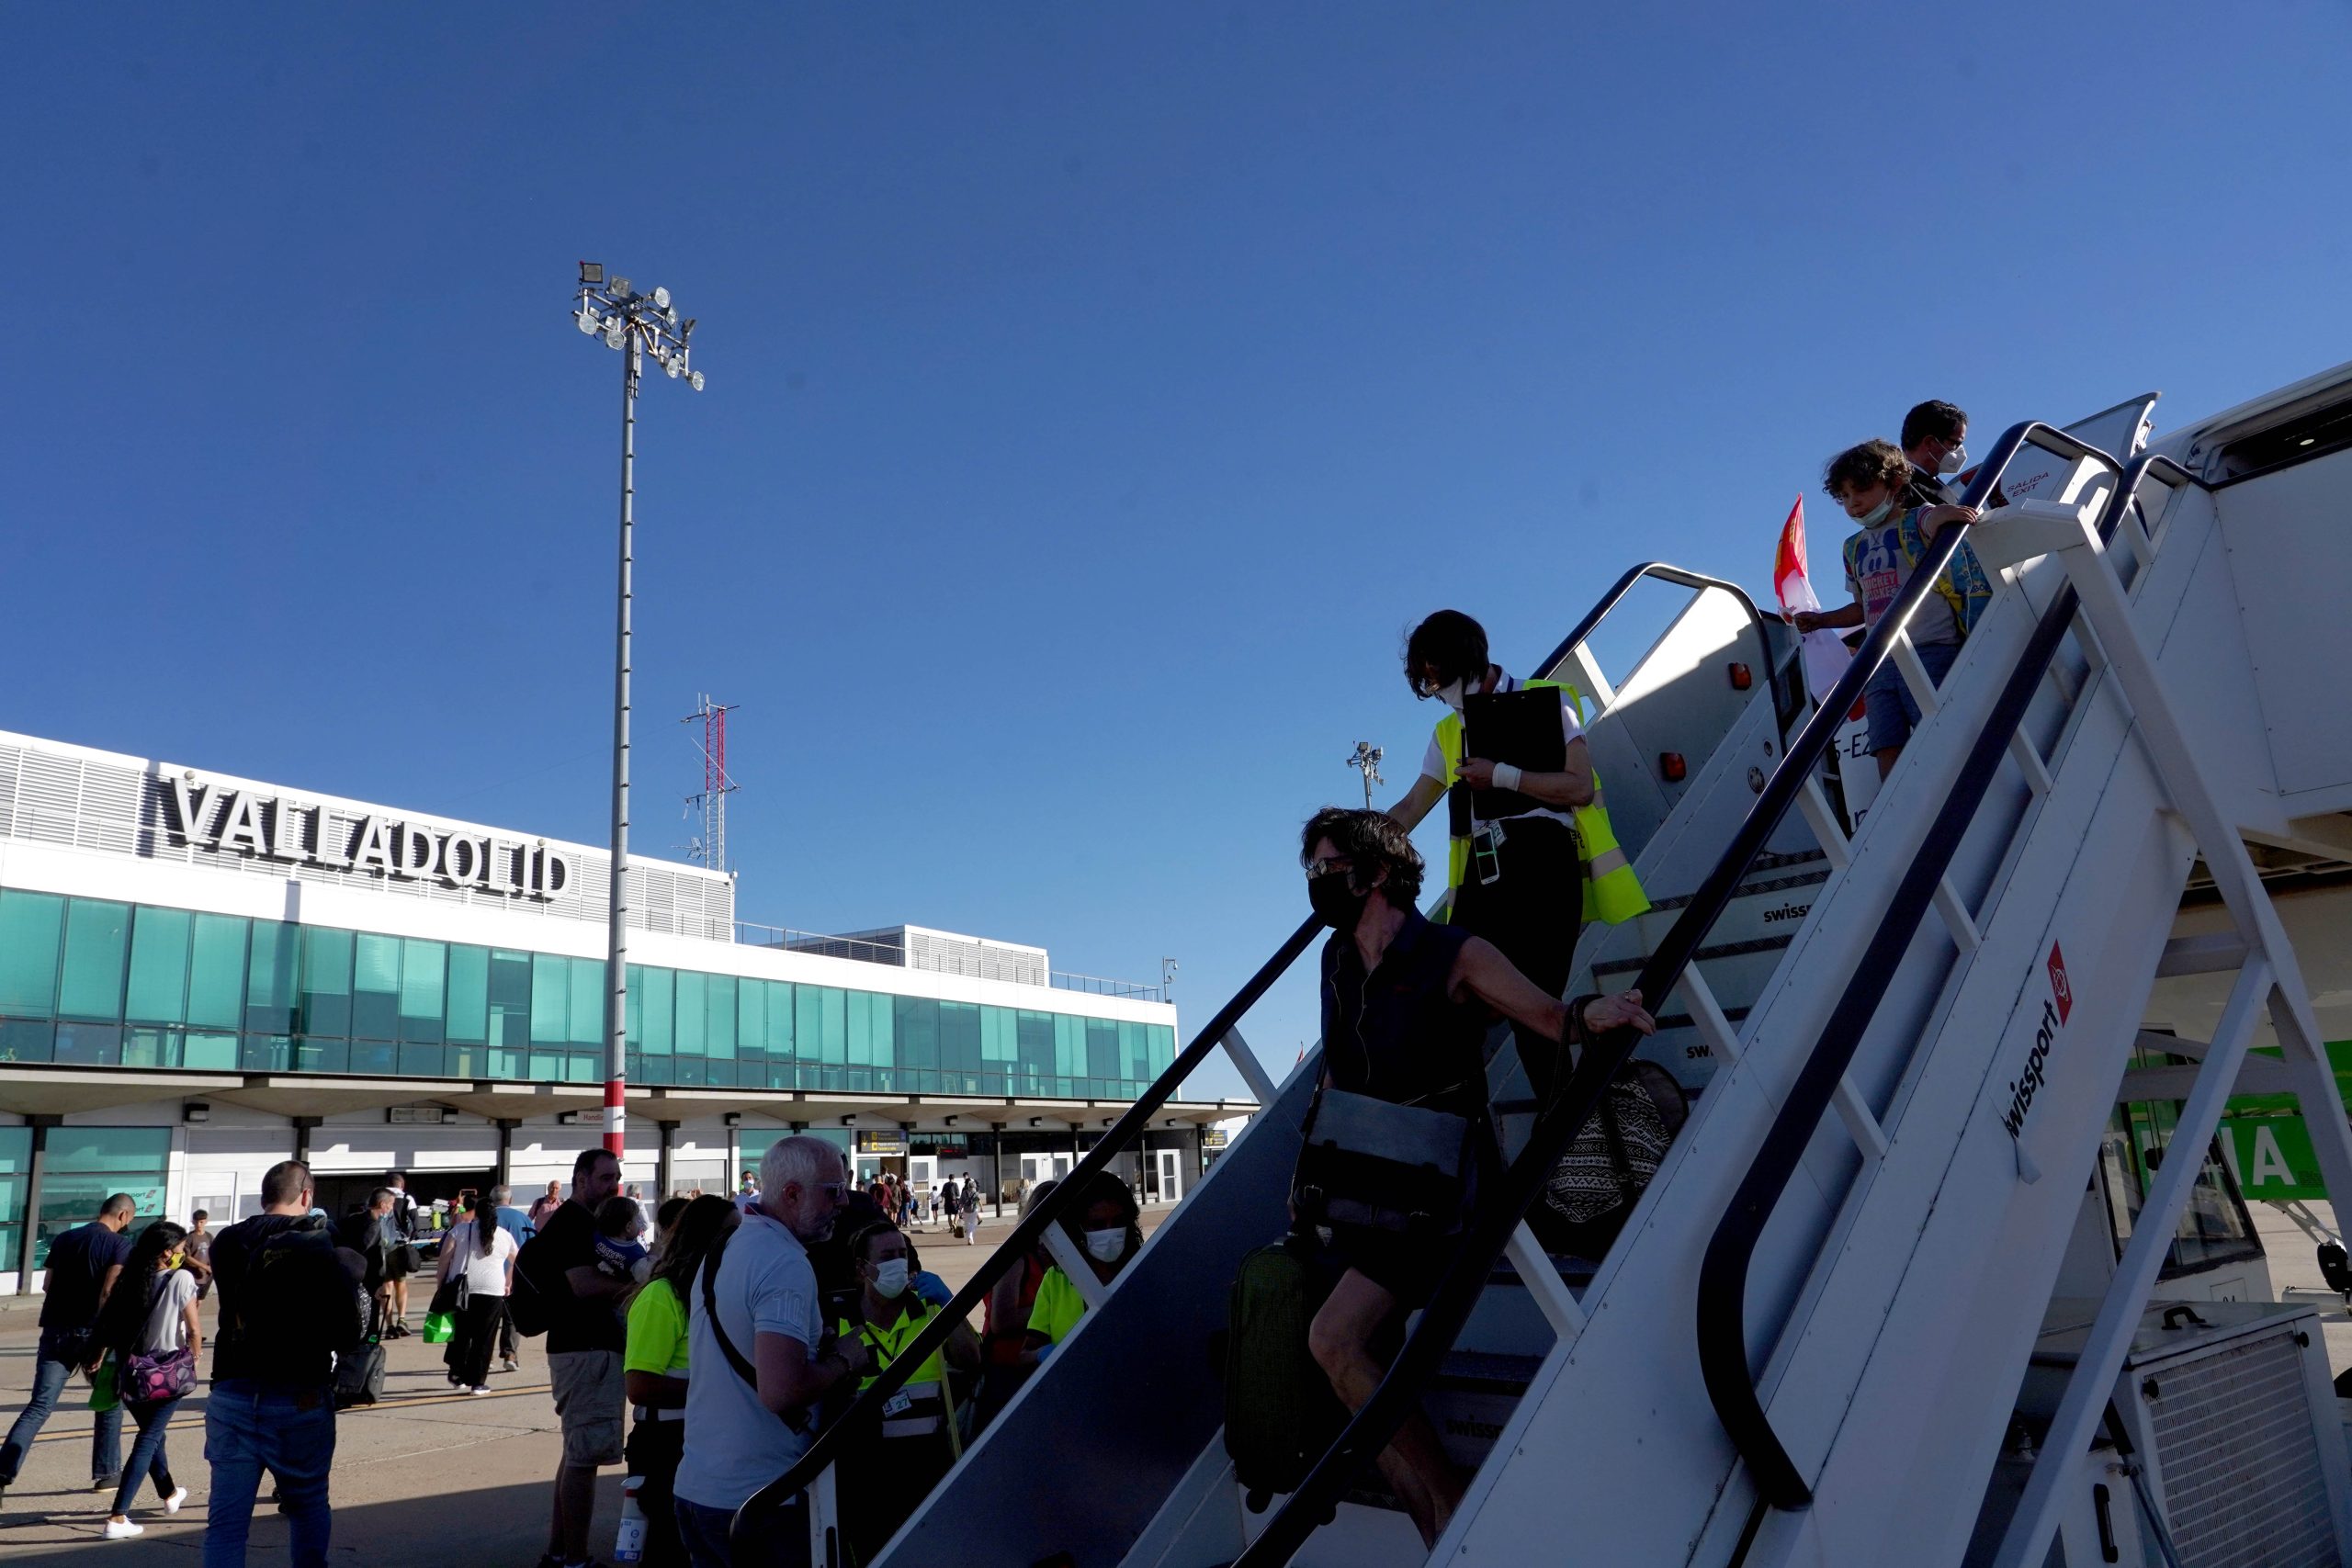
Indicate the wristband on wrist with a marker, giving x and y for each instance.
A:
(1506, 776)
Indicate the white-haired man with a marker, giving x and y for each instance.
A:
(765, 1360)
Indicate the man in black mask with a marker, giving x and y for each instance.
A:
(1406, 1009)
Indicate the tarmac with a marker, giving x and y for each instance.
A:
(428, 1477)
(425, 1477)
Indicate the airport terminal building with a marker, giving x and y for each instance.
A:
(201, 976)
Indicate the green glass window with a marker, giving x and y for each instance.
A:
(1163, 1048)
(751, 1016)
(959, 1036)
(1069, 1045)
(32, 927)
(1102, 1059)
(216, 974)
(820, 1024)
(89, 1164)
(469, 1014)
(720, 1043)
(587, 1002)
(1000, 1037)
(780, 1021)
(550, 1000)
(375, 987)
(271, 977)
(510, 998)
(658, 987)
(158, 990)
(98, 938)
(917, 1028)
(213, 1050)
(1034, 1045)
(693, 1009)
(326, 982)
(424, 974)
(15, 1162)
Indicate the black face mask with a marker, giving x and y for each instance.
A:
(1336, 904)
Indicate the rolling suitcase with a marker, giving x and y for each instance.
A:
(1280, 1412)
(360, 1374)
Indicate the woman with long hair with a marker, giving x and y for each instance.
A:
(148, 1325)
(483, 1254)
(654, 1368)
(1103, 1223)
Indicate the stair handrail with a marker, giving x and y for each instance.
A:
(1723, 1273)
(1681, 576)
(1499, 1210)
(826, 1447)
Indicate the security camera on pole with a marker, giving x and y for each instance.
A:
(635, 324)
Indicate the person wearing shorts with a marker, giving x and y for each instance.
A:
(1407, 1004)
(584, 1344)
(1872, 482)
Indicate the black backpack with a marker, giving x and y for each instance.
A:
(272, 1312)
(528, 1307)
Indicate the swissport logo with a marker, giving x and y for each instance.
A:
(2028, 1084)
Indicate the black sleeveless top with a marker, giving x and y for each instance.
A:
(1396, 1034)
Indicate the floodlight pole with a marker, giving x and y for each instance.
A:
(634, 321)
(617, 946)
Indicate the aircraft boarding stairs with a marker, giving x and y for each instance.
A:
(1807, 1346)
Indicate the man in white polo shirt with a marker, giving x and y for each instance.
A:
(761, 1368)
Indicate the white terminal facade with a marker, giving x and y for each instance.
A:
(202, 975)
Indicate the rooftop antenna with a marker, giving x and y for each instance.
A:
(717, 783)
(1366, 762)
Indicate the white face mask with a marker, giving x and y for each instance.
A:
(1876, 515)
(1451, 695)
(1954, 460)
(1105, 1246)
(890, 1277)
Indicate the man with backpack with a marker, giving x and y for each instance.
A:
(290, 1306)
(559, 1292)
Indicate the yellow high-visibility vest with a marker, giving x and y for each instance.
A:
(1611, 891)
(926, 1402)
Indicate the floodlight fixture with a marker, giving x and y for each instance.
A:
(694, 380)
(619, 290)
(591, 274)
(674, 364)
(661, 298)
(588, 320)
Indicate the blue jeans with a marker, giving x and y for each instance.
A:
(1892, 711)
(53, 1364)
(147, 1456)
(784, 1544)
(252, 1426)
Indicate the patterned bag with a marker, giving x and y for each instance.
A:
(151, 1379)
(1594, 1183)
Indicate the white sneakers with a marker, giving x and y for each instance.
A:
(172, 1503)
(123, 1529)
(480, 1392)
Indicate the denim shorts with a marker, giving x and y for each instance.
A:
(1888, 705)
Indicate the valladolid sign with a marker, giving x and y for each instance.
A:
(276, 827)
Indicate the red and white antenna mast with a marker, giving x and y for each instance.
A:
(717, 783)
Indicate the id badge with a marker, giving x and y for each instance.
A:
(898, 1404)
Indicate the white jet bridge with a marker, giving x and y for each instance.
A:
(1884, 1303)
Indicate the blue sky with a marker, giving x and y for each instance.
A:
(1096, 393)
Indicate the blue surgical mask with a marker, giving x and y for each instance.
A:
(890, 1277)
(1106, 1246)
(1876, 515)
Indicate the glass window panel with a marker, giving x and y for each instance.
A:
(326, 981)
(1070, 1044)
(27, 1039)
(1101, 1049)
(216, 971)
(424, 991)
(916, 1023)
(820, 1024)
(751, 1015)
(720, 1043)
(270, 975)
(210, 1050)
(90, 1044)
(32, 927)
(150, 1046)
(266, 1053)
(659, 990)
(1163, 1048)
(469, 1014)
(376, 988)
(158, 989)
(550, 1000)
(98, 937)
(547, 1067)
(418, 1061)
(587, 1002)
(860, 1028)
(694, 1007)
(378, 1056)
(510, 998)
(959, 1036)
(779, 1020)
(1033, 1047)
(130, 1149)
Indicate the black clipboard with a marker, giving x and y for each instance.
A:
(1520, 727)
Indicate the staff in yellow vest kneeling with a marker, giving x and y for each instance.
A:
(1531, 855)
(896, 1467)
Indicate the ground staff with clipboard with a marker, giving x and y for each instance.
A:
(1531, 854)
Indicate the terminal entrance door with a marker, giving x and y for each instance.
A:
(1166, 1177)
